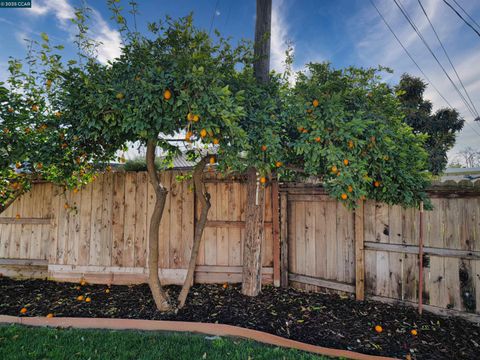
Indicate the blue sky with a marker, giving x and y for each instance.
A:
(344, 32)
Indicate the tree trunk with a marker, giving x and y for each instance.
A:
(204, 197)
(159, 295)
(252, 247)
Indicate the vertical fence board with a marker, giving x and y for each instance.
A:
(140, 240)
(85, 224)
(118, 213)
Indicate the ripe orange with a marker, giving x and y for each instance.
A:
(216, 141)
(39, 166)
(75, 190)
(10, 110)
(167, 94)
(17, 216)
(264, 147)
(350, 144)
(300, 128)
(309, 111)
(318, 139)
(203, 133)
(196, 118)
(350, 188)
(49, 83)
(212, 160)
(188, 135)
(378, 329)
(304, 131)
(108, 168)
(35, 107)
(263, 180)
(50, 316)
(376, 183)
(23, 311)
(120, 96)
(18, 165)
(190, 116)
(278, 164)
(344, 196)
(83, 283)
(414, 332)
(80, 298)
(363, 197)
(88, 299)
(334, 169)
(315, 103)
(225, 285)
(345, 162)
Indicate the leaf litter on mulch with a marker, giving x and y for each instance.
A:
(320, 319)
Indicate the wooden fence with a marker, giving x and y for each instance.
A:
(375, 249)
(311, 241)
(100, 232)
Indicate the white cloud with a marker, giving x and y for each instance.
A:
(100, 30)
(279, 37)
(376, 45)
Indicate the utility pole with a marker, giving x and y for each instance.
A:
(254, 215)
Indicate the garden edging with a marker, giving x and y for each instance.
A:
(181, 326)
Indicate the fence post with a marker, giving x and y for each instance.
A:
(276, 234)
(283, 239)
(359, 252)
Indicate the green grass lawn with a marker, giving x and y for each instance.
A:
(20, 342)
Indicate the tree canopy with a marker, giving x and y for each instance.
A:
(441, 126)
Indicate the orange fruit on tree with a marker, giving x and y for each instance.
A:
(190, 116)
(350, 188)
(49, 83)
(334, 169)
(83, 283)
(23, 310)
(278, 164)
(75, 190)
(196, 118)
(39, 166)
(378, 329)
(10, 110)
(263, 180)
(315, 103)
(188, 135)
(363, 197)
(80, 298)
(304, 131)
(300, 128)
(318, 139)
(345, 162)
(167, 94)
(88, 299)
(225, 285)
(212, 160)
(203, 133)
(414, 332)
(50, 315)
(35, 107)
(264, 147)
(216, 141)
(350, 144)
(309, 111)
(58, 114)
(376, 183)
(344, 196)
(18, 165)
(17, 216)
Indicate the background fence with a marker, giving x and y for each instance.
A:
(100, 234)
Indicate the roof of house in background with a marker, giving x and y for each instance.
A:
(459, 174)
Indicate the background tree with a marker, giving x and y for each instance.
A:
(346, 129)
(470, 157)
(441, 126)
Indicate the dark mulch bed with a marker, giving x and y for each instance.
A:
(320, 319)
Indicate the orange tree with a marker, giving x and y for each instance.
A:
(346, 127)
(170, 85)
(35, 142)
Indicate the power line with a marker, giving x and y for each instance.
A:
(416, 64)
(461, 17)
(409, 55)
(466, 13)
(448, 57)
(405, 14)
(213, 17)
